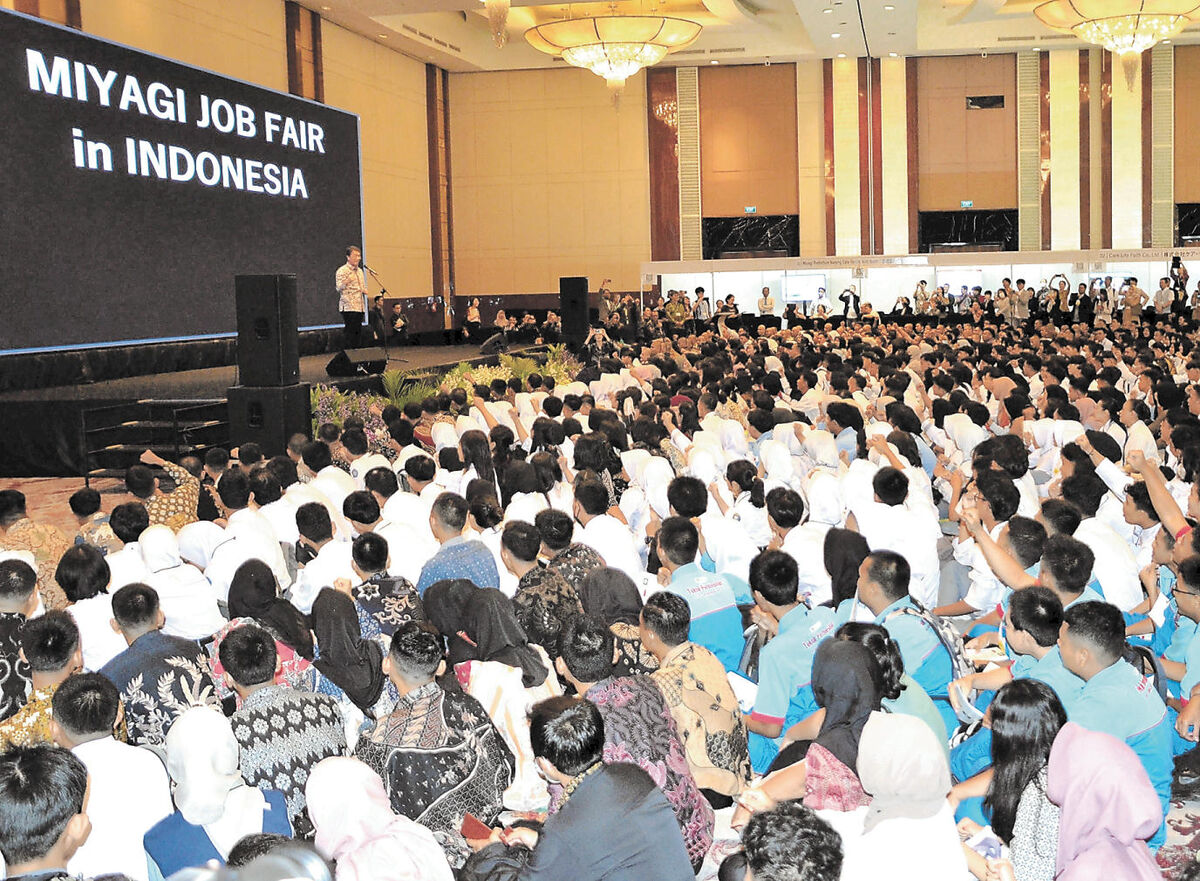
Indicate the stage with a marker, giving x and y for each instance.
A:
(44, 428)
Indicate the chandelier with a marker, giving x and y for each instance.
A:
(497, 16)
(1126, 28)
(614, 47)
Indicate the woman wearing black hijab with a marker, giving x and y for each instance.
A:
(347, 663)
(253, 593)
(610, 594)
(445, 605)
(491, 624)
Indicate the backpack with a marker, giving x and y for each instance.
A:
(949, 639)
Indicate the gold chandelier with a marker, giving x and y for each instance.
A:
(614, 47)
(497, 16)
(1126, 28)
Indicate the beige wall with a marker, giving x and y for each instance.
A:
(966, 154)
(1187, 123)
(748, 149)
(548, 179)
(245, 39)
(387, 90)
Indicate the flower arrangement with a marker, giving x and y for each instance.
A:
(329, 404)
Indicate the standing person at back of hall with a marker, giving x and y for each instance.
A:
(351, 284)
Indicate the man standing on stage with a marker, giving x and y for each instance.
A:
(351, 285)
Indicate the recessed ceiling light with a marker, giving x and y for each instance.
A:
(1164, 42)
(835, 36)
(889, 8)
(382, 36)
(327, 8)
(714, 62)
(841, 55)
(891, 55)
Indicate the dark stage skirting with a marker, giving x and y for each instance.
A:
(43, 427)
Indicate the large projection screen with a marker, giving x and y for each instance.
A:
(134, 188)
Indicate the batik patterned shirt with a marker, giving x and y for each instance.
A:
(440, 758)
(30, 725)
(575, 562)
(384, 604)
(14, 673)
(47, 544)
(283, 733)
(175, 509)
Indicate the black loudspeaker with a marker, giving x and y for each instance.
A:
(494, 344)
(268, 349)
(357, 362)
(573, 306)
(268, 415)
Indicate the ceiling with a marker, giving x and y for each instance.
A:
(454, 34)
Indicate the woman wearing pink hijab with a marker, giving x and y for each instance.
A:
(357, 829)
(1109, 808)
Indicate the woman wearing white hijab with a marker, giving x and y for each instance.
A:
(357, 829)
(656, 477)
(908, 831)
(214, 807)
(186, 596)
(778, 468)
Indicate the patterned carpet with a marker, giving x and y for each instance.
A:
(46, 499)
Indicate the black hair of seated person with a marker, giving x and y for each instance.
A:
(401, 431)
(905, 446)
(264, 488)
(216, 458)
(555, 527)
(140, 481)
(890, 486)
(382, 480)
(568, 733)
(83, 573)
(1027, 537)
(891, 572)
(678, 541)
(450, 509)
(1069, 562)
(250, 847)
(313, 523)
(1030, 717)
(552, 407)
(283, 469)
(1075, 454)
(977, 413)
(234, 489)
(790, 842)
(1105, 444)
(522, 540)
(1139, 494)
(355, 441)
(448, 460)
(360, 507)
(415, 652)
(316, 456)
(84, 502)
(1059, 517)
(785, 507)
(591, 495)
(42, 788)
(485, 509)
(135, 607)
(668, 616)
(776, 577)
(351, 423)
(687, 496)
(128, 521)
(85, 705)
(886, 650)
(1000, 493)
(1084, 490)
(761, 420)
(370, 553)
(328, 432)
(572, 427)
(248, 655)
(421, 468)
(49, 641)
(1100, 626)
(250, 454)
(1039, 612)
(743, 475)
(586, 648)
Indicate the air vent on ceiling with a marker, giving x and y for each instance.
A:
(683, 52)
(726, 51)
(431, 40)
(1032, 39)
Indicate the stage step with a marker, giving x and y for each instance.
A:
(115, 436)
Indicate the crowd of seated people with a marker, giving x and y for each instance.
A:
(874, 600)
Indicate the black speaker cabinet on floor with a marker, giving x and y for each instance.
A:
(493, 345)
(268, 350)
(268, 415)
(357, 362)
(573, 306)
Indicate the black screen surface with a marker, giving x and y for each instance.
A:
(148, 250)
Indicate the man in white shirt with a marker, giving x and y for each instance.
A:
(128, 788)
(128, 521)
(1115, 567)
(333, 559)
(400, 433)
(252, 528)
(334, 483)
(1134, 415)
(407, 550)
(804, 542)
(605, 534)
(266, 497)
(354, 443)
(411, 508)
(900, 521)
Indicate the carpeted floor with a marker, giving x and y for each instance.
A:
(46, 500)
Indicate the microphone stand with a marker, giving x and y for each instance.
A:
(383, 321)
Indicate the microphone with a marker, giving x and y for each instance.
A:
(363, 264)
